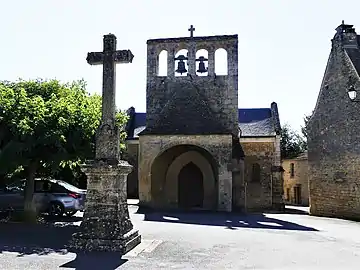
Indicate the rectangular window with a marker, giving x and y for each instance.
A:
(288, 194)
(292, 170)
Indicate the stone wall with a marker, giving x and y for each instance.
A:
(259, 191)
(131, 156)
(300, 178)
(215, 98)
(334, 136)
(152, 147)
(260, 195)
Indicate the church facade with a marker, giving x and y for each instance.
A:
(194, 148)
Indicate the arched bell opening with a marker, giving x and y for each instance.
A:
(181, 63)
(202, 62)
(221, 62)
(162, 63)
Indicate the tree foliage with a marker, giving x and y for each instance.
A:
(291, 144)
(304, 127)
(46, 126)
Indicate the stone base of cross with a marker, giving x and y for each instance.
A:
(106, 224)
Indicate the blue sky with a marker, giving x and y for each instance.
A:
(283, 44)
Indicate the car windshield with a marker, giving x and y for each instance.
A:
(68, 186)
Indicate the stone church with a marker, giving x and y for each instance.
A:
(334, 133)
(194, 148)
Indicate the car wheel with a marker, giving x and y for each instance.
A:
(71, 213)
(56, 209)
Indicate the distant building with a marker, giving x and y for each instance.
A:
(296, 182)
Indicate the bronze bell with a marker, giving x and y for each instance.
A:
(181, 64)
(202, 68)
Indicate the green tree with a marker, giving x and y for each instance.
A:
(291, 144)
(46, 126)
(304, 127)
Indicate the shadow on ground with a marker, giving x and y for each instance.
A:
(95, 260)
(43, 239)
(229, 221)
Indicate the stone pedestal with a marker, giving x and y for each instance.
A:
(106, 225)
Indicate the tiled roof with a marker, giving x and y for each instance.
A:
(256, 122)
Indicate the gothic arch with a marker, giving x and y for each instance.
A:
(172, 155)
(171, 182)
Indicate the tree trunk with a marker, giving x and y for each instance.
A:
(30, 213)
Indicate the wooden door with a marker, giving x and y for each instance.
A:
(190, 187)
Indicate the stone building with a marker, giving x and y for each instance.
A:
(296, 182)
(334, 132)
(193, 148)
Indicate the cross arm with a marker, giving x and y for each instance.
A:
(95, 58)
(123, 56)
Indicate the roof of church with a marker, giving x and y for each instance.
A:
(253, 122)
(354, 55)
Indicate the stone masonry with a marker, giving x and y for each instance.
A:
(190, 110)
(151, 148)
(192, 120)
(334, 133)
(106, 225)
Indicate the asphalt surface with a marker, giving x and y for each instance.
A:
(195, 241)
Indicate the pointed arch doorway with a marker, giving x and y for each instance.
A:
(190, 187)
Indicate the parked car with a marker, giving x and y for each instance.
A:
(55, 197)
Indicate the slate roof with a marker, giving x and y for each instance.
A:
(254, 122)
(354, 55)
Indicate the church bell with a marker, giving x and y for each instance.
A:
(202, 68)
(181, 64)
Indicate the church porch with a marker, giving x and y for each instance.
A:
(186, 172)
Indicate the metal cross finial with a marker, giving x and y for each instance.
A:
(191, 29)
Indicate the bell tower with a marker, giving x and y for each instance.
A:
(191, 97)
(191, 118)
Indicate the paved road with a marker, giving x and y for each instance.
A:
(196, 241)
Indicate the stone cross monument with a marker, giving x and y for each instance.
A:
(106, 224)
(107, 139)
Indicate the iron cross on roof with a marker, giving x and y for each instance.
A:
(109, 57)
(191, 29)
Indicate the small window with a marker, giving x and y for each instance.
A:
(292, 170)
(288, 194)
(256, 172)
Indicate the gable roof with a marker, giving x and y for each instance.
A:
(253, 122)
